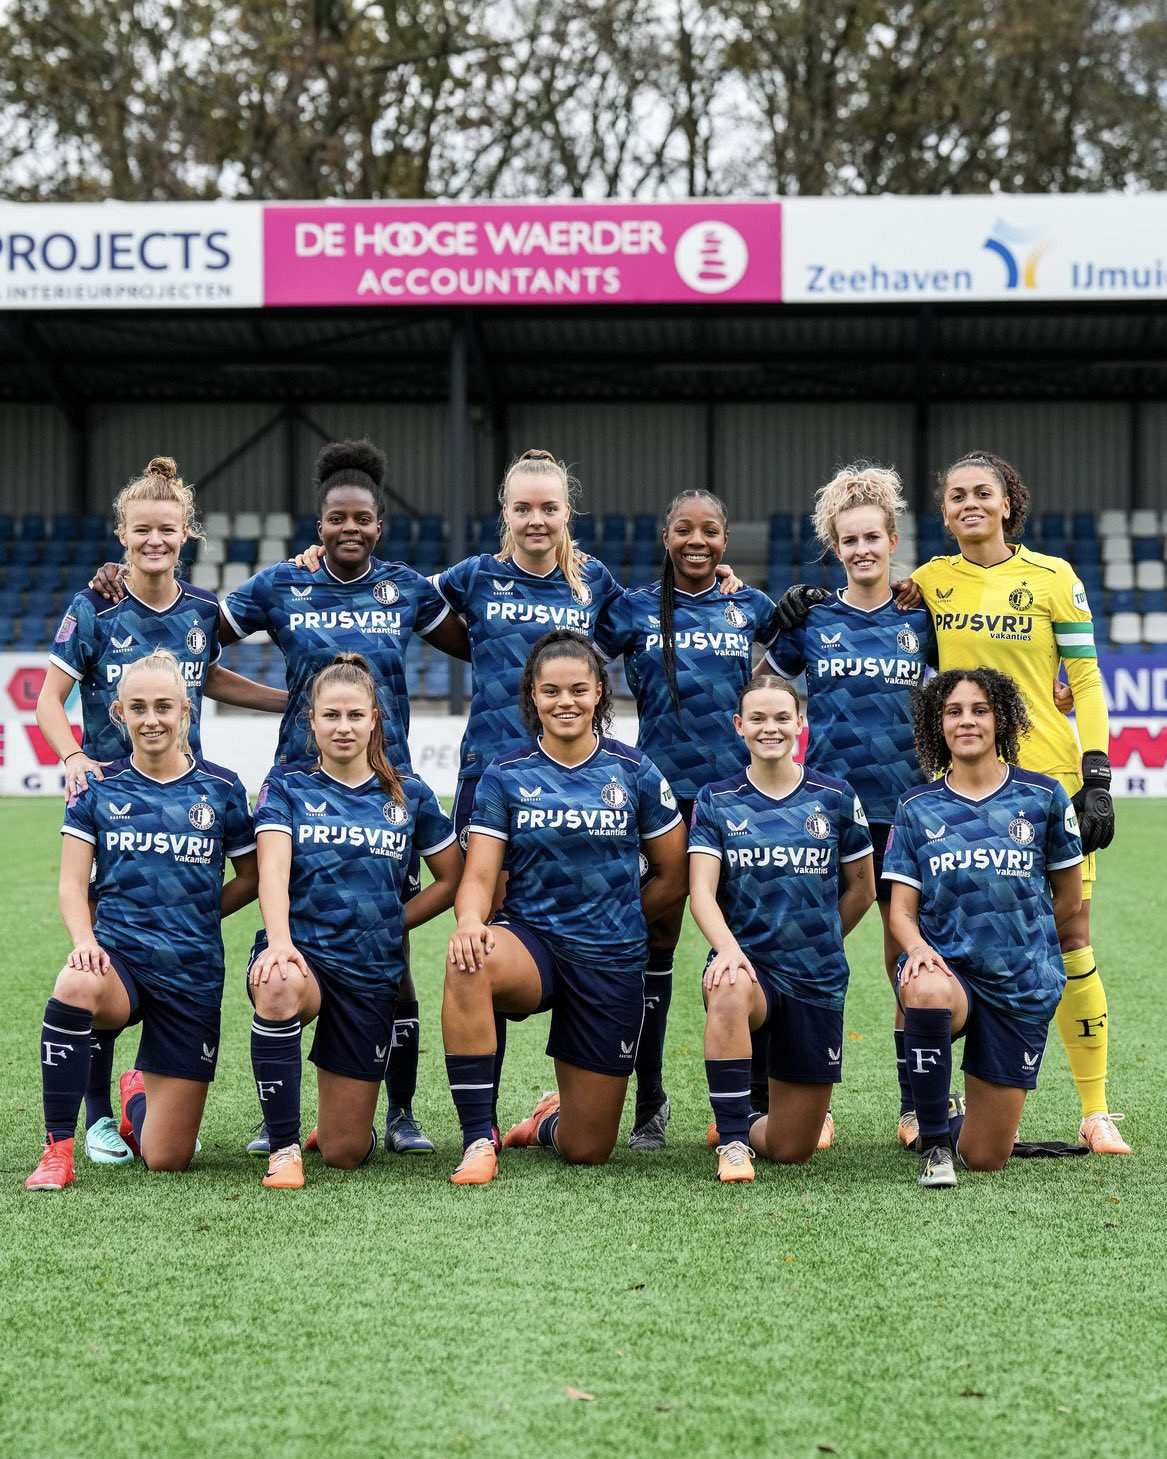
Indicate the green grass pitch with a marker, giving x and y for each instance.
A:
(830, 1309)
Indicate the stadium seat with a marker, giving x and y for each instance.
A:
(57, 549)
(305, 525)
(1151, 575)
(235, 574)
(644, 528)
(7, 526)
(427, 557)
(242, 549)
(40, 603)
(1122, 600)
(1114, 522)
(399, 530)
(1144, 522)
(217, 524)
(205, 575)
(93, 528)
(781, 525)
(1084, 526)
(32, 527)
(1146, 549)
(277, 524)
(7, 631)
(640, 574)
(1085, 553)
(1155, 629)
(1053, 524)
(1152, 600)
(24, 550)
(18, 577)
(10, 603)
(1119, 575)
(248, 524)
(1126, 629)
(778, 581)
(46, 577)
(430, 527)
(1116, 549)
(272, 549)
(644, 553)
(1056, 547)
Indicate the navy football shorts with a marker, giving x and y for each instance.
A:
(180, 1038)
(999, 1047)
(880, 831)
(806, 1039)
(596, 1014)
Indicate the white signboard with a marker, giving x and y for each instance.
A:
(1002, 247)
(131, 255)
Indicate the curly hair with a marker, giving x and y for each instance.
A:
(1009, 480)
(1005, 700)
(350, 463)
(562, 643)
(862, 484)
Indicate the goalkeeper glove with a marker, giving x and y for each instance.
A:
(1093, 804)
(796, 602)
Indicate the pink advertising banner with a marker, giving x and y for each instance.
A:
(522, 253)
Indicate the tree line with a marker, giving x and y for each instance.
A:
(189, 99)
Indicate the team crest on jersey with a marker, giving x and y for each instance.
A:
(395, 813)
(501, 586)
(1021, 598)
(818, 824)
(119, 812)
(614, 795)
(643, 865)
(464, 838)
(530, 794)
(196, 640)
(734, 616)
(908, 641)
(122, 645)
(386, 592)
(1021, 830)
(943, 594)
(201, 815)
(302, 592)
(831, 640)
(582, 594)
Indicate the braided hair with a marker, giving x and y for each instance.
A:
(1009, 480)
(1005, 700)
(668, 588)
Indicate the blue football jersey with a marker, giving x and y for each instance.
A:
(313, 616)
(159, 850)
(351, 849)
(714, 636)
(506, 610)
(573, 837)
(779, 887)
(861, 665)
(980, 867)
(97, 639)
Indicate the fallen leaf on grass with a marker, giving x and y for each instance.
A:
(1114, 1200)
(825, 1449)
(636, 1287)
(858, 1037)
(579, 1393)
(1063, 1409)
(202, 1228)
(663, 1407)
(970, 1393)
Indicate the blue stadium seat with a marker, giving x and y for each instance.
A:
(1085, 553)
(306, 524)
(427, 557)
(1084, 527)
(806, 532)
(640, 574)
(26, 551)
(644, 527)
(1146, 549)
(778, 581)
(485, 538)
(92, 527)
(1053, 524)
(32, 527)
(781, 525)
(836, 573)
(76, 577)
(615, 528)
(57, 550)
(243, 549)
(66, 524)
(10, 603)
(645, 553)
(1056, 547)
(18, 577)
(1152, 600)
(429, 527)
(46, 576)
(1122, 600)
(7, 526)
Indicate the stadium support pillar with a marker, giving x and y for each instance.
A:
(711, 483)
(1134, 487)
(922, 422)
(458, 468)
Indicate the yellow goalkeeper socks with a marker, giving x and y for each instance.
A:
(1081, 1019)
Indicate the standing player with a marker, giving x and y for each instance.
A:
(355, 603)
(568, 813)
(862, 655)
(780, 870)
(687, 654)
(336, 842)
(1003, 606)
(156, 834)
(96, 641)
(970, 856)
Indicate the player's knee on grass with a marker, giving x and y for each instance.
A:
(984, 1151)
(166, 1154)
(789, 1147)
(344, 1151)
(585, 1148)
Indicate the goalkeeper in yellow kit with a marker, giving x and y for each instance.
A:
(1003, 606)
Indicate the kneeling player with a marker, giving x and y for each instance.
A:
(570, 813)
(780, 870)
(335, 843)
(974, 857)
(159, 829)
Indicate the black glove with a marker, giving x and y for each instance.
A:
(796, 602)
(1093, 803)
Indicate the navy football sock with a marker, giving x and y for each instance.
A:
(401, 1079)
(500, 1034)
(729, 1094)
(650, 1056)
(65, 1055)
(98, 1104)
(471, 1084)
(276, 1063)
(760, 1070)
(545, 1134)
(136, 1112)
(902, 1072)
(928, 1048)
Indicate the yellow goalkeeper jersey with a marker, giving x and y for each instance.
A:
(1022, 617)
